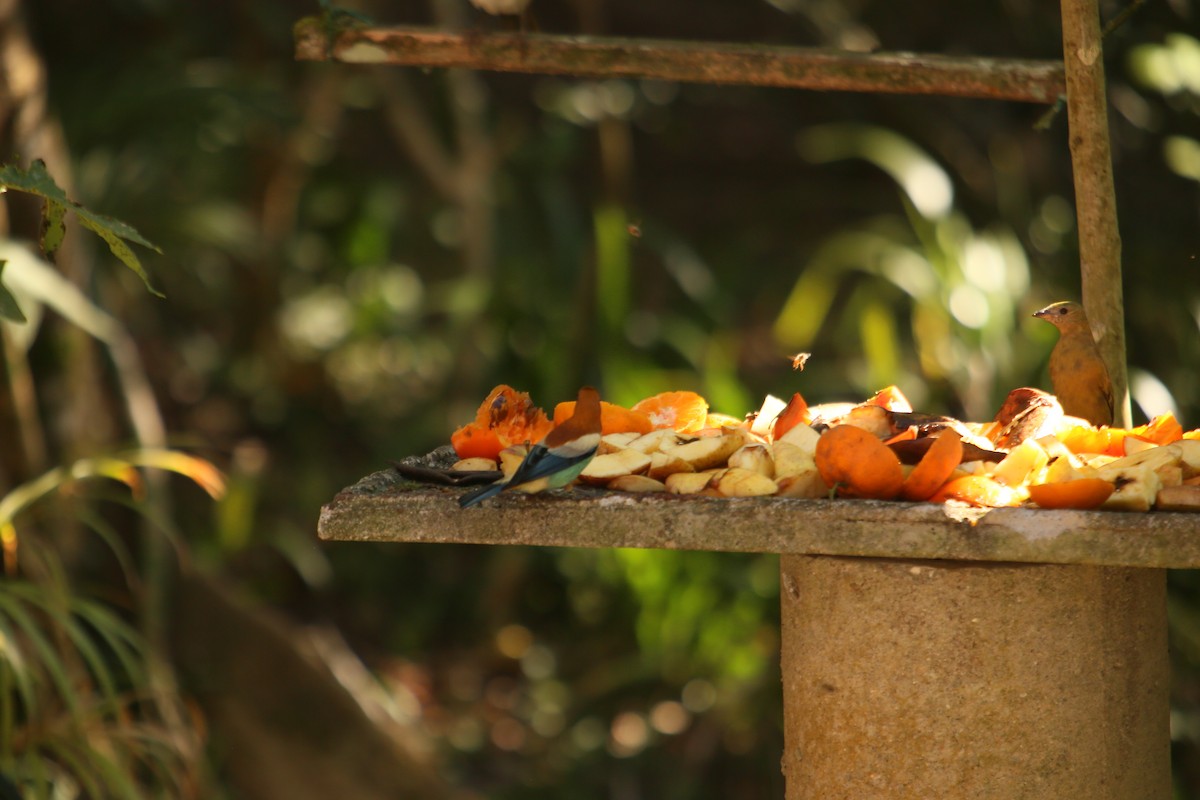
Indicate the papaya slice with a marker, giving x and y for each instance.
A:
(794, 413)
(892, 399)
(1081, 493)
(506, 417)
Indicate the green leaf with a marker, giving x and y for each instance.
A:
(114, 232)
(36, 180)
(77, 764)
(91, 655)
(110, 536)
(117, 778)
(56, 669)
(9, 309)
(35, 774)
(54, 227)
(19, 667)
(16, 688)
(122, 640)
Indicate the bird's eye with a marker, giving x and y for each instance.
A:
(1062, 312)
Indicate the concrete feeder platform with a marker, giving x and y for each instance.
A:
(928, 651)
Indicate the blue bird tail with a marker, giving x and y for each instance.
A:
(479, 495)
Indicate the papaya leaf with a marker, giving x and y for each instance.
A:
(9, 309)
(36, 180)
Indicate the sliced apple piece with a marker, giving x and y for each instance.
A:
(1170, 475)
(1136, 490)
(711, 451)
(1189, 457)
(1156, 458)
(796, 472)
(475, 464)
(664, 464)
(1063, 468)
(790, 459)
(805, 437)
(1056, 450)
(871, 418)
(1023, 461)
(764, 419)
(688, 482)
(1137, 486)
(1178, 498)
(612, 442)
(754, 457)
(604, 468)
(1135, 444)
(655, 441)
(808, 484)
(740, 482)
(511, 458)
(1096, 460)
(636, 484)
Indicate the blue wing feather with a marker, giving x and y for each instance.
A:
(479, 495)
(543, 463)
(540, 463)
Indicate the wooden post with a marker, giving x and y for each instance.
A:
(910, 680)
(1095, 197)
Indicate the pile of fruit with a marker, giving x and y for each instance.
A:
(878, 449)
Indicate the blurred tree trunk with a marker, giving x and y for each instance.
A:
(285, 725)
(29, 131)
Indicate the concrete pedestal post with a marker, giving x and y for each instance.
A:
(939, 679)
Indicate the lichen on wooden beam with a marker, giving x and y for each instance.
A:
(696, 62)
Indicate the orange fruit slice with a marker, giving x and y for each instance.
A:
(686, 412)
(859, 463)
(505, 417)
(1079, 493)
(935, 468)
(718, 420)
(613, 418)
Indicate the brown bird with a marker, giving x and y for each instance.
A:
(1077, 371)
(508, 9)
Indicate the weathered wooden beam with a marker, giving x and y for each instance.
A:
(1095, 197)
(385, 508)
(694, 62)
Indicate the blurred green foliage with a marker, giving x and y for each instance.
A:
(353, 259)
